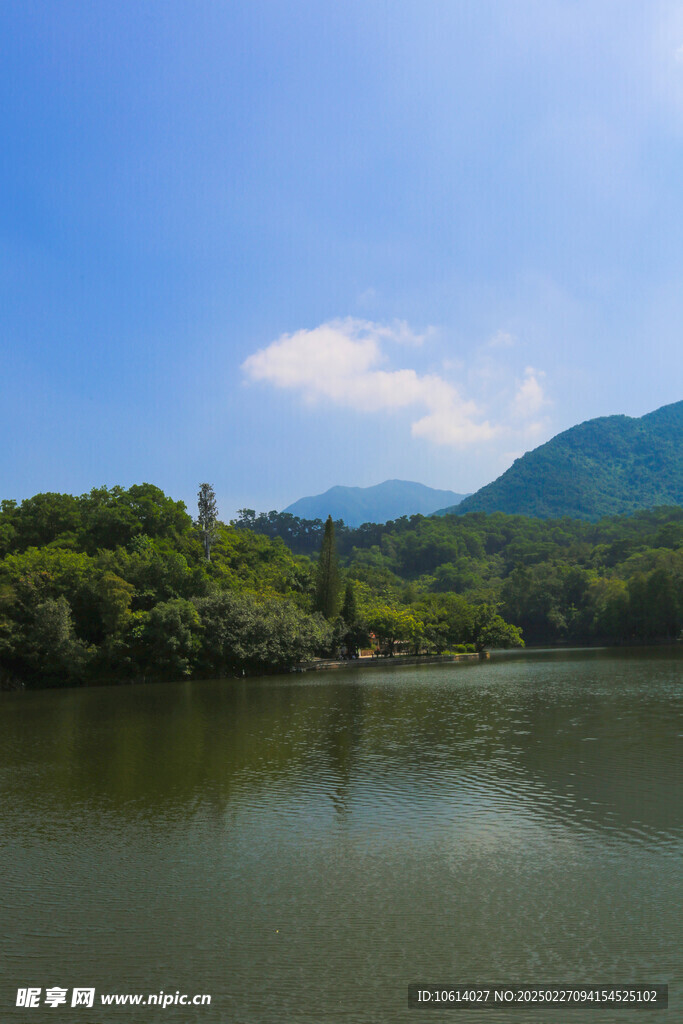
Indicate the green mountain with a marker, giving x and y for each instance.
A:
(606, 466)
(389, 500)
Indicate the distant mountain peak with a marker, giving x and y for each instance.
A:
(377, 504)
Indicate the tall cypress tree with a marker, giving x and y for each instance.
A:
(356, 635)
(328, 580)
(349, 612)
(207, 514)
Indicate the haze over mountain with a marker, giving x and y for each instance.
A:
(389, 500)
(605, 466)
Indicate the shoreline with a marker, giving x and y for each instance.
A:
(13, 686)
(403, 660)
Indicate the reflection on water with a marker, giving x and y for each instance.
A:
(302, 848)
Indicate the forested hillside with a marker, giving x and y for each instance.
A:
(116, 585)
(606, 466)
(617, 580)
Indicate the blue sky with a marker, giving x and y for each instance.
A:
(284, 245)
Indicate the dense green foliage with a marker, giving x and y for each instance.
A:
(606, 466)
(116, 584)
(617, 580)
(302, 536)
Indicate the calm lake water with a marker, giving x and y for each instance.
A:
(302, 848)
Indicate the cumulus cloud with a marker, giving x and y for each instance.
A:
(342, 361)
(530, 397)
(345, 362)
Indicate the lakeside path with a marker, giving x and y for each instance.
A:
(398, 660)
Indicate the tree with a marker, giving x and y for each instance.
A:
(8, 522)
(490, 630)
(116, 517)
(392, 625)
(349, 612)
(245, 632)
(53, 651)
(328, 580)
(356, 632)
(166, 639)
(44, 517)
(115, 597)
(447, 619)
(608, 609)
(207, 516)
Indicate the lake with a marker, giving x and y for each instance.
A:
(302, 848)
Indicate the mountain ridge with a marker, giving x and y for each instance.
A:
(609, 465)
(390, 499)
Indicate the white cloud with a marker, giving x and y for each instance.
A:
(454, 426)
(341, 361)
(345, 362)
(399, 331)
(501, 339)
(530, 397)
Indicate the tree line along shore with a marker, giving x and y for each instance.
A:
(123, 584)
